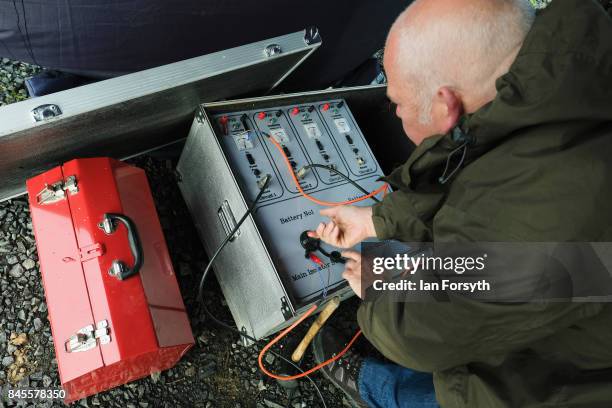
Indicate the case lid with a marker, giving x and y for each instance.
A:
(134, 113)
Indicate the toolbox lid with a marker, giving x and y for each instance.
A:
(134, 113)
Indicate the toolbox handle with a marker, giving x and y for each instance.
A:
(119, 269)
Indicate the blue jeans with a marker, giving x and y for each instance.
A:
(385, 385)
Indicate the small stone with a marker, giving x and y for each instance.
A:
(37, 324)
(16, 271)
(29, 263)
(272, 404)
(190, 371)
(155, 377)
(12, 259)
(270, 358)
(46, 381)
(7, 361)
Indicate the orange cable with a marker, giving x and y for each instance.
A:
(263, 351)
(383, 188)
(313, 369)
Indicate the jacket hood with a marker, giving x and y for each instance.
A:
(562, 73)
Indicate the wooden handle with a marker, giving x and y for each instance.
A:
(327, 311)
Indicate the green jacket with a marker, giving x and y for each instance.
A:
(539, 169)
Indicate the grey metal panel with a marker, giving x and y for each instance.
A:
(248, 271)
(123, 116)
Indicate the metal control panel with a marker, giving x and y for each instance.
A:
(324, 133)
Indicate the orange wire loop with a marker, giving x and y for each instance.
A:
(382, 189)
(263, 351)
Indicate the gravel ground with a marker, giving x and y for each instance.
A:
(217, 372)
(12, 76)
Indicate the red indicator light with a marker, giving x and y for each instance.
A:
(295, 111)
(261, 115)
(326, 107)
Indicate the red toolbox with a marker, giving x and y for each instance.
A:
(114, 303)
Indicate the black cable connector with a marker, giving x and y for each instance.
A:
(311, 245)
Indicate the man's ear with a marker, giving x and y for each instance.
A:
(450, 108)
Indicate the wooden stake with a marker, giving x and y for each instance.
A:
(327, 311)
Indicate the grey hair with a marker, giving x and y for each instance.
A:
(460, 52)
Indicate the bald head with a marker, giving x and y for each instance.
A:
(456, 47)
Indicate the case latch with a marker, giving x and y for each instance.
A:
(88, 338)
(45, 112)
(52, 193)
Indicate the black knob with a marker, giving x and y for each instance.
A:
(308, 243)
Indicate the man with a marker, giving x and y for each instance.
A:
(512, 118)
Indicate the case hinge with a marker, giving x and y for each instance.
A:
(52, 193)
(88, 338)
(285, 309)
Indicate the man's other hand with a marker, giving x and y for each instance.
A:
(348, 226)
(359, 276)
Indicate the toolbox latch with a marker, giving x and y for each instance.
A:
(54, 192)
(88, 338)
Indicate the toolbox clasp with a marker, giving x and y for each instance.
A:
(88, 338)
(54, 192)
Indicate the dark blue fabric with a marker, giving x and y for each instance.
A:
(387, 385)
(102, 39)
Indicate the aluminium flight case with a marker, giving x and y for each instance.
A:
(128, 115)
(113, 300)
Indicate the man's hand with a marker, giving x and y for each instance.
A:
(358, 279)
(348, 226)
